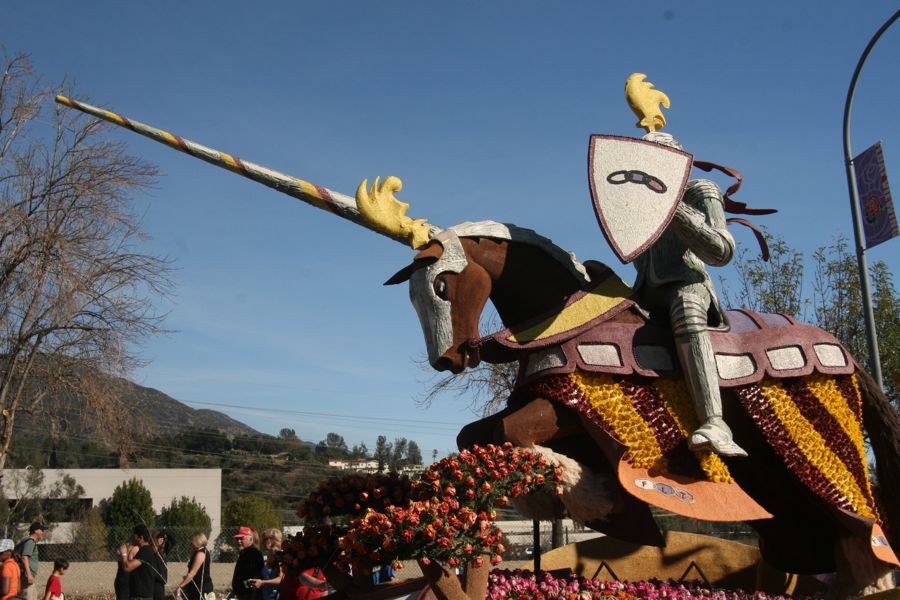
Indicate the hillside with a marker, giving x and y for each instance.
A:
(151, 413)
(159, 414)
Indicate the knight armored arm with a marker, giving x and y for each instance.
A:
(699, 222)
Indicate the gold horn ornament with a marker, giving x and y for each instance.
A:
(388, 214)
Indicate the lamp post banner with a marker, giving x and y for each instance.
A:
(875, 204)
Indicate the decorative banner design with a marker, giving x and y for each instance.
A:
(876, 207)
(636, 186)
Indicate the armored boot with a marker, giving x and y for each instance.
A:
(699, 367)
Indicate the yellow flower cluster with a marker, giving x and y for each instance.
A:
(616, 409)
(678, 402)
(812, 445)
(828, 393)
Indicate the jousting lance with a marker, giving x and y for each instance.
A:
(375, 208)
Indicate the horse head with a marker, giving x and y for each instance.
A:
(453, 276)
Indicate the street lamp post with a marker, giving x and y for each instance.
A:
(868, 312)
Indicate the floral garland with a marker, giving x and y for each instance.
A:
(525, 585)
(353, 495)
(451, 519)
(815, 425)
(487, 476)
(315, 546)
(445, 516)
(437, 530)
(651, 418)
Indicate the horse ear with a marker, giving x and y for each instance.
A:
(428, 255)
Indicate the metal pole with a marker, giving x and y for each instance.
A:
(858, 234)
(536, 545)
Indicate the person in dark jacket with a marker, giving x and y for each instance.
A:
(249, 565)
(145, 567)
(162, 543)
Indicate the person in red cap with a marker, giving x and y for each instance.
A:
(249, 565)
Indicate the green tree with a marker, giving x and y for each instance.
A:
(131, 504)
(838, 308)
(92, 535)
(398, 453)
(287, 434)
(253, 511)
(185, 513)
(359, 451)
(182, 518)
(413, 454)
(333, 446)
(836, 299)
(774, 286)
(382, 452)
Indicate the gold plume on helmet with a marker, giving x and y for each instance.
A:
(645, 101)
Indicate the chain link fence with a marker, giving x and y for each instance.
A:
(92, 551)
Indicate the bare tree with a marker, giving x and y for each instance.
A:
(775, 285)
(487, 385)
(76, 295)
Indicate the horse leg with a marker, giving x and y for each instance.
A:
(536, 422)
(859, 573)
(585, 493)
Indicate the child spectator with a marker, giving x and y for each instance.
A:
(11, 573)
(54, 585)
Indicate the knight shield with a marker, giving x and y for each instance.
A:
(635, 186)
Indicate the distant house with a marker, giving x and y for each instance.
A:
(165, 485)
(365, 465)
(359, 465)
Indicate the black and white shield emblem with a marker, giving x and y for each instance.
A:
(636, 186)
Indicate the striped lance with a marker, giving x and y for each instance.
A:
(320, 197)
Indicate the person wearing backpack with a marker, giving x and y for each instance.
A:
(10, 572)
(28, 550)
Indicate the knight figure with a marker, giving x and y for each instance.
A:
(672, 279)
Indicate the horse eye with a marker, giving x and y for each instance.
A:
(440, 288)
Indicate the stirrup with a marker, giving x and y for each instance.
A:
(711, 437)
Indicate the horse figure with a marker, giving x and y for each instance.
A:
(599, 390)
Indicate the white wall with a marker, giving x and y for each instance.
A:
(165, 485)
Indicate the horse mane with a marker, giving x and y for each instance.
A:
(514, 233)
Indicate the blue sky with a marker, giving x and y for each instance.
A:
(483, 109)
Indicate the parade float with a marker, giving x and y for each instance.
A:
(626, 398)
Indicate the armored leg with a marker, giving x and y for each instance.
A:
(695, 353)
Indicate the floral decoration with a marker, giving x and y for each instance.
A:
(487, 476)
(525, 585)
(315, 546)
(446, 515)
(451, 519)
(816, 428)
(651, 418)
(353, 495)
(437, 530)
